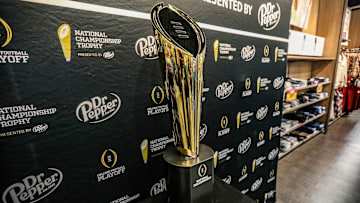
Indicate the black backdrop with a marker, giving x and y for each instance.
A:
(53, 147)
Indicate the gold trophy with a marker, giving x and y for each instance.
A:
(216, 49)
(182, 45)
(144, 147)
(258, 85)
(182, 53)
(254, 165)
(216, 155)
(238, 120)
(64, 34)
(276, 53)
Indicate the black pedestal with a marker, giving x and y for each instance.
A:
(190, 180)
(223, 193)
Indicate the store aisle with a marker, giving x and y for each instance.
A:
(326, 169)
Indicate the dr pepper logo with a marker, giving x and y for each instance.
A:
(33, 187)
(269, 15)
(146, 48)
(98, 109)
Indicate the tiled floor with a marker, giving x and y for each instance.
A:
(324, 170)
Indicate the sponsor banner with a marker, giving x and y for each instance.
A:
(146, 48)
(248, 52)
(205, 90)
(224, 155)
(269, 195)
(243, 118)
(224, 90)
(257, 162)
(109, 160)
(261, 140)
(278, 82)
(247, 92)
(244, 145)
(236, 6)
(127, 106)
(126, 198)
(98, 109)
(262, 84)
(244, 173)
(272, 176)
(154, 147)
(33, 188)
(223, 51)
(257, 184)
(276, 111)
(273, 154)
(227, 179)
(157, 96)
(88, 43)
(274, 132)
(203, 131)
(262, 112)
(269, 15)
(23, 118)
(266, 57)
(225, 130)
(158, 188)
(11, 116)
(10, 56)
(280, 55)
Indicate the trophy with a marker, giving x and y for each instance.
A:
(181, 45)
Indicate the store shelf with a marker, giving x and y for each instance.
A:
(297, 145)
(301, 124)
(309, 58)
(303, 105)
(307, 87)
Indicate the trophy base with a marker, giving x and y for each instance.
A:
(190, 180)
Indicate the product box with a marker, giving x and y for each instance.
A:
(305, 44)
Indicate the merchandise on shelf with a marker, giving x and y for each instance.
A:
(317, 80)
(286, 106)
(294, 103)
(295, 116)
(315, 109)
(287, 142)
(316, 124)
(338, 103)
(292, 83)
(286, 124)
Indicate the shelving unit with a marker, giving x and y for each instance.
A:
(325, 20)
(308, 86)
(301, 124)
(297, 145)
(309, 58)
(303, 105)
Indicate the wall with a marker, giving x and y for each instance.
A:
(354, 29)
